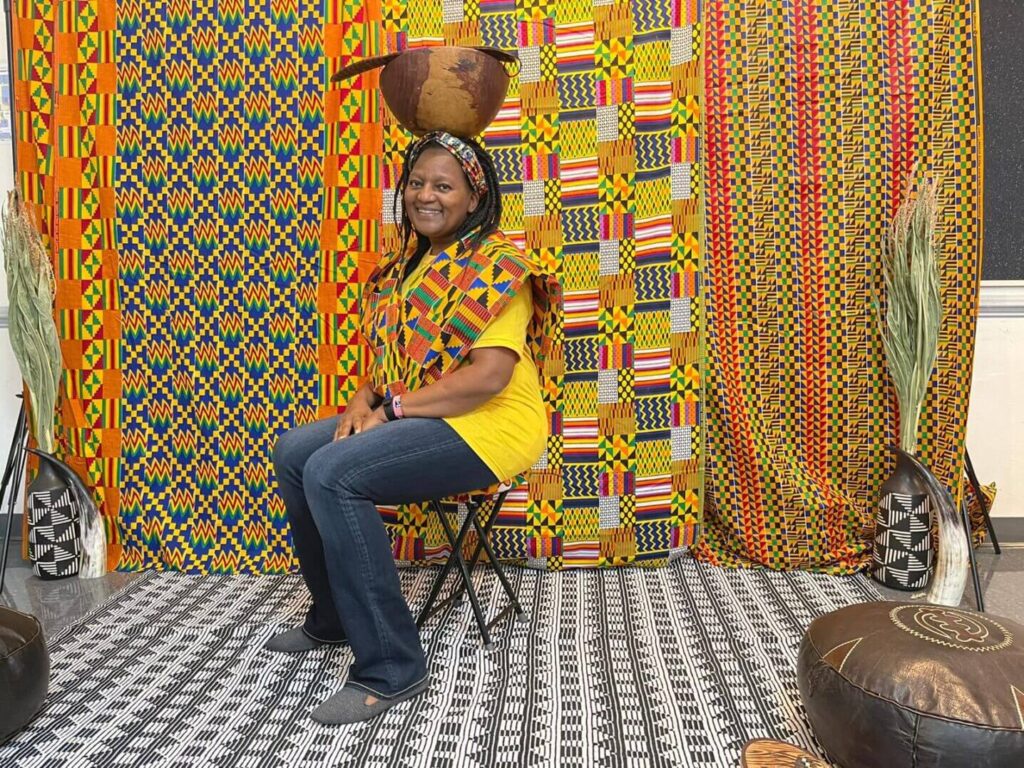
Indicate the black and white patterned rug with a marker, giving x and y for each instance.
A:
(671, 667)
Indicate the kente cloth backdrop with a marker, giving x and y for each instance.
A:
(212, 204)
(815, 115)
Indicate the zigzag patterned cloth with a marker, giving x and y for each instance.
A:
(214, 209)
(816, 114)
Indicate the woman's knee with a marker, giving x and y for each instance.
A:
(330, 469)
(319, 471)
(291, 450)
(284, 450)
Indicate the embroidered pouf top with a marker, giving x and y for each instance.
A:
(897, 684)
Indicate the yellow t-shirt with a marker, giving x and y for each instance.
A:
(509, 431)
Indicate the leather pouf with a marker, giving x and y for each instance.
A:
(911, 684)
(24, 670)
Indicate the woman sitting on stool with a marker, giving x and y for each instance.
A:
(456, 323)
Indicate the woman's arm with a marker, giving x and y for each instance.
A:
(467, 387)
(365, 396)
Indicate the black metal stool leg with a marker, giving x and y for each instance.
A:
(484, 535)
(460, 562)
(484, 544)
(973, 478)
(520, 614)
(465, 568)
(456, 544)
(487, 526)
(14, 470)
(966, 515)
(461, 586)
(473, 509)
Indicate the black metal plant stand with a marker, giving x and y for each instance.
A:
(13, 473)
(15, 468)
(12, 69)
(965, 513)
(973, 478)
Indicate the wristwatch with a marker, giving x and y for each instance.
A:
(389, 410)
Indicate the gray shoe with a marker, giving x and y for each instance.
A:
(296, 640)
(349, 704)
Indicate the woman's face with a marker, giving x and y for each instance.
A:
(438, 198)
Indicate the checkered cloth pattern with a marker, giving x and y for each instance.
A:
(815, 116)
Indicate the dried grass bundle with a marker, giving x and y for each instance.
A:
(31, 290)
(913, 311)
(33, 334)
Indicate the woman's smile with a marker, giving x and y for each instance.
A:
(438, 198)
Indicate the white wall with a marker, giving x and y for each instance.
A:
(10, 378)
(995, 426)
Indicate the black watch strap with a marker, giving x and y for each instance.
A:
(389, 411)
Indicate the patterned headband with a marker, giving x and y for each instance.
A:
(460, 150)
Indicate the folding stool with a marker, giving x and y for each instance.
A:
(474, 502)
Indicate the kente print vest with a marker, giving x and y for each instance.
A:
(417, 340)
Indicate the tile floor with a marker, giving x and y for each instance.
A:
(59, 603)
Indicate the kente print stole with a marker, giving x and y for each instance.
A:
(417, 340)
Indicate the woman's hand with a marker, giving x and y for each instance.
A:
(467, 387)
(371, 420)
(355, 412)
(359, 410)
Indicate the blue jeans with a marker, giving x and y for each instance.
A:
(330, 489)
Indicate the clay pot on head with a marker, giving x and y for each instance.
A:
(441, 88)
